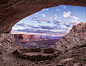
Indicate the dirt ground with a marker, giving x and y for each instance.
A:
(73, 57)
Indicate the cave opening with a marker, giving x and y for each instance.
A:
(44, 28)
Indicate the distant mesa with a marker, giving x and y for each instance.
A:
(24, 38)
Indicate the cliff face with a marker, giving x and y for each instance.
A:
(76, 37)
(16, 37)
(21, 37)
(79, 30)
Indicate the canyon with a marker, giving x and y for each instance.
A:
(72, 48)
(12, 11)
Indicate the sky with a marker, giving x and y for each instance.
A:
(53, 22)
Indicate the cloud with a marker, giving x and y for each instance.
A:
(43, 19)
(34, 18)
(38, 19)
(17, 32)
(55, 16)
(45, 9)
(74, 17)
(30, 25)
(21, 24)
(39, 22)
(71, 20)
(66, 14)
(46, 27)
(57, 22)
(37, 13)
(38, 32)
(43, 15)
(17, 28)
(46, 16)
(48, 21)
(35, 27)
(57, 27)
(57, 9)
(73, 23)
(67, 25)
(49, 17)
(63, 32)
(64, 7)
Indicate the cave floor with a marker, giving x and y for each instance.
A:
(73, 57)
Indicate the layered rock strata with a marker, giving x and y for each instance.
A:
(76, 37)
(35, 55)
(21, 37)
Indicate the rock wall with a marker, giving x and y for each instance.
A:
(6, 42)
(12, 11)
(5, 36)
(76, 37)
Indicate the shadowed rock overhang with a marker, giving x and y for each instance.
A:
(11, 11)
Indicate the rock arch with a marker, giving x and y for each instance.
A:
(11, 11)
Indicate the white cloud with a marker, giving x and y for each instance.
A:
(55, 16)
(49, 17)
(16, 28)
(59, 21)
(57, 9)
(37, 13)
(35, 16)
(45, 9)
(74, 17)
(77, 21)
(71, 20)
(73, 23)
(66, 14)
(64, 7)
(43, 15)
(18, 32)
(46, 16)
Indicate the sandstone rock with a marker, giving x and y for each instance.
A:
(76, 37)
(2, 49)
(34, 56)
(22, 37)
(50, 65)
(21, 65)
(84, 64)
(49, 50)
(66, 60)
(76, 64)
(85, 59)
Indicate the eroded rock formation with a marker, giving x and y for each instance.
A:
(21, 37)
(76, 37)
